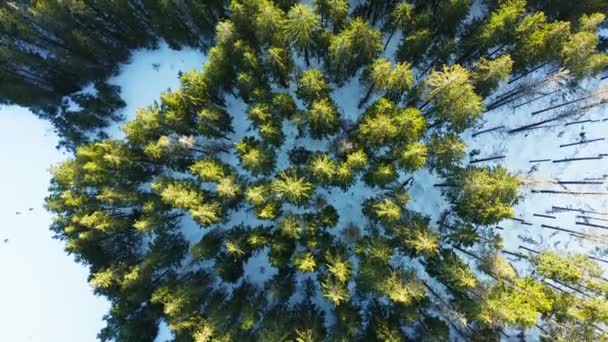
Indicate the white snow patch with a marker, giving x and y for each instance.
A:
(538, 156)
(258, 269)
(148, 74)
(164, 333)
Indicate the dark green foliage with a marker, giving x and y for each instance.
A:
(52, 48)
(452, 271)
(354, 47)
(322, 118)
(96, 113)
(272, 193)
(453, 96)
(312, 86)
(569, 10)
(255, 156)
(433, 329)
(385, 124)
(483, 195)
(381, 174)
(445, 152)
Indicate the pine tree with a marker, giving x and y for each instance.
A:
(452, 13)
(590, 23)
(210, 169)
(411, 157)
(255, 156)
(185, 195)
(580, 56)
(381, 174)
(422, 242)
(538, 41)
(490, 72)
(305, 262)
(403, 288)
(312, 86)
(445, 152)
(338, 266)
(283, 106)
(393, 82)
(321, 168)
(229, 188)
(383, 123)
(498, 266)
(208, 246)
(576, 270)
(377, 127)
(292, 187)
(448, 268)
(453, 97)
(214, 122)
(382, 209)
(291, 226)
(257, 194)
(401, 19)
(501, 24)
(519, 304)
(280, 64)
(323, 118)
(354, 47)
(281, 250)
(300, 28)
(414, 46)
(335, 292)
(433, 329)
(344, 176)
(335, 11)
(366, 42)
(269, 23)
(327, 217)
(483, 195)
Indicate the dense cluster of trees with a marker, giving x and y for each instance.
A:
(124, 207)
(52, 48)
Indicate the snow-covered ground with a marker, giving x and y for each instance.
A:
(142, 80)
(148, 74)
(40, 283)
(44, 294)
(540, 157)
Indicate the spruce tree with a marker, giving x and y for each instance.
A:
(483, 195)
(255, 156)
(490, 72)
(519, 304)
(453, 97)
(292, 187)
(335, 11)
(445, 152)
(323, 118)
(301, 27)
(354, 47)
(312, 86)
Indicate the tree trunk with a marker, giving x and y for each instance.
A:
(526, 73)
(388, 40)
(306, 57)
(364, 100)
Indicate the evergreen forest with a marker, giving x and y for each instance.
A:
(264, 200)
